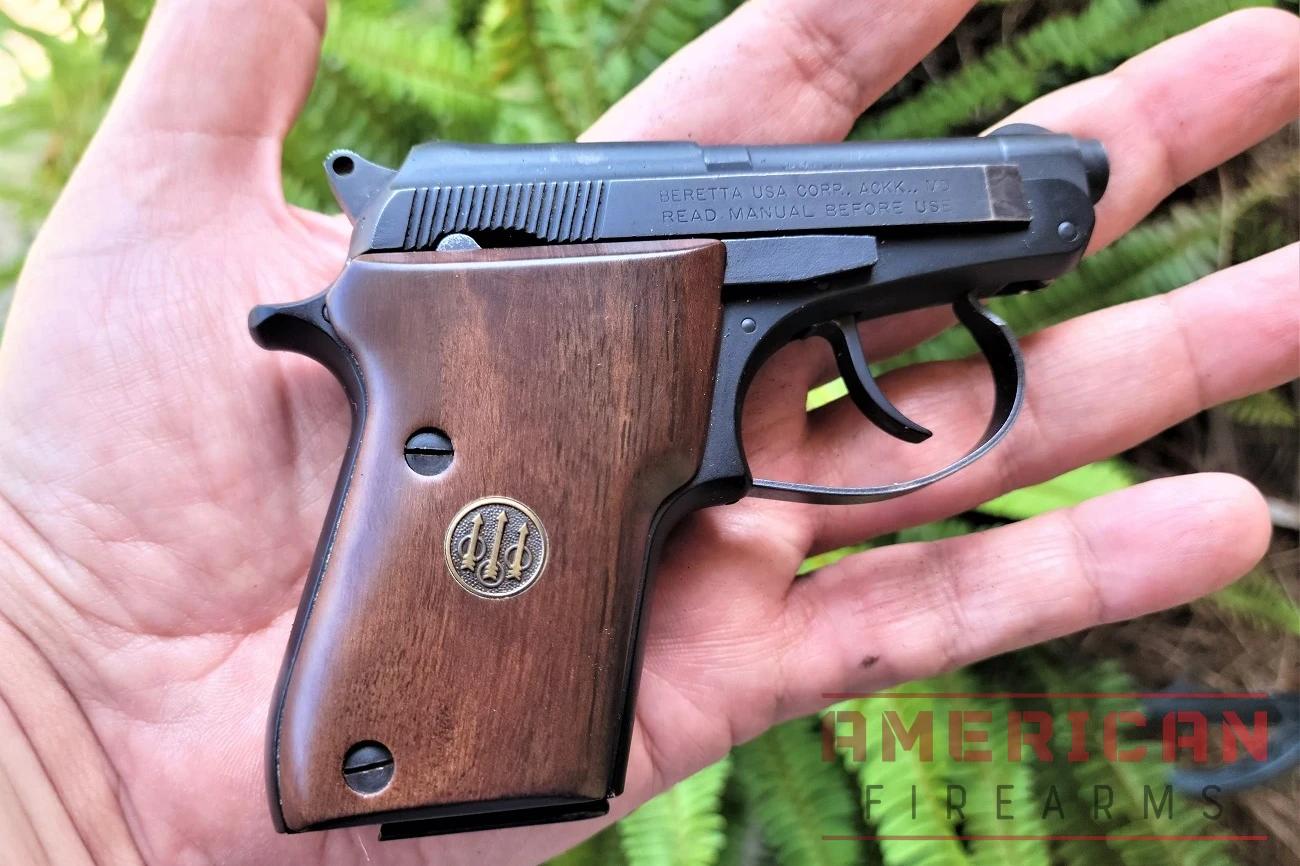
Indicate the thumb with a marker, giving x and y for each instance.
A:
(213, 89)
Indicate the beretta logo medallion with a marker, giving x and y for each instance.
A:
(496, 547)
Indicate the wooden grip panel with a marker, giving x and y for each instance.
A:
(573, 380)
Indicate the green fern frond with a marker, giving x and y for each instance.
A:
(565, 31)
(428, 68)
(1265, 409)
(641, 34)
(744, 834)
(799, 798)
(48, 126)
(1097, 38)
(939, 529)
(1130, 783)
(683, 826)
(47, 41)
(926, 532)
(603, 849)
(1066, 812)
(1063, 491)
(538, 54)
(124, 22)
(1158, 839)
(1259, 600)
(908, 795)
(824, 395)
(830, 557)
(1014, 73)
(502, 45)
(1000, 798)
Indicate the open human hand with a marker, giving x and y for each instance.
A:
(162, 480)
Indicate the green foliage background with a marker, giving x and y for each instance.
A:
(396, 72)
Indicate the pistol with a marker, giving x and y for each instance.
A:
(547, 348)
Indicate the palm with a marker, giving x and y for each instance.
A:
(172, 477)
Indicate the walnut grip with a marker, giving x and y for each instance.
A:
(467, 639)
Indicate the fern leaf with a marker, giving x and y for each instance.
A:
(1007, 75)
(1260, 600)
(124, 22)
(830, 557)
(744, 834)
(56, 112)
(427, 67)
(683, 826)
(1265, 409)
(538, 54)
(572, 59)
(1104, 33)
(978, 780)
(1000, 799)
(1063, 491)
(799, 798)
(940, 529)
(1130, 783)
(644, 33)
(908, 796)
(823, 395)
(927, 532)
(600, 850)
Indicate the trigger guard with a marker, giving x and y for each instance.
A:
(999, 347)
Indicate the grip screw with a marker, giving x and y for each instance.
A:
(368, 767)
(748, 325)
(428, 451)
(1068, 231)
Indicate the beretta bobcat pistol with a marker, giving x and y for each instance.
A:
(546, 348)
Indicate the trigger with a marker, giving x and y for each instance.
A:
(842, 334)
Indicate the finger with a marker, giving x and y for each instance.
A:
(1096, 385)
(913, 610)
(1166, 116)
(214, 87)
(1180, 109)
(814, 64)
